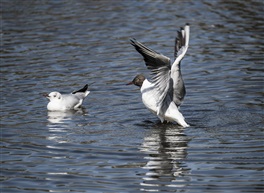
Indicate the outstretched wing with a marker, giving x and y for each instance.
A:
(160, 68)
(152, 58)
(181, 46)
(167, 78)
(181, 43)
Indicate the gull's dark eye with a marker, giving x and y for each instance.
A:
(54, 96)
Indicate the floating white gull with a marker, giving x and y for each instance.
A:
(165, 93)
(64, 102)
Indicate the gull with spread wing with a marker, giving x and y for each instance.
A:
(165, 93)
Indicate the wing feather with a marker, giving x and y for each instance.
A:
(160, 69)
(167, 78)
(84, 89)
(181, 46)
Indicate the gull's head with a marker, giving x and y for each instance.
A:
(138, 80)
(53, 96)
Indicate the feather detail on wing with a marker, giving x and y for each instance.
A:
(167, 78)
(84, 89)
(152, 59)
(181, 46)
(181, 43)
(82, 93)
(160, 68)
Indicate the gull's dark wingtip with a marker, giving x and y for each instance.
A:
(133, 41)
(84, 89)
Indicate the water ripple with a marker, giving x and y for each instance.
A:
(114, 144)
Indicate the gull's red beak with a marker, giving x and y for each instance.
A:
(46, 95)
(129, 83)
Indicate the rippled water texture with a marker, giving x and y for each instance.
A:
(114, 144)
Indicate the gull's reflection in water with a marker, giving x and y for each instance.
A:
(62, 123)
(61, 126)
(165, 147)
(62, 116)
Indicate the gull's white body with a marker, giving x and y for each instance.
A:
(150, 98)
(165, 93)
(64, 102)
